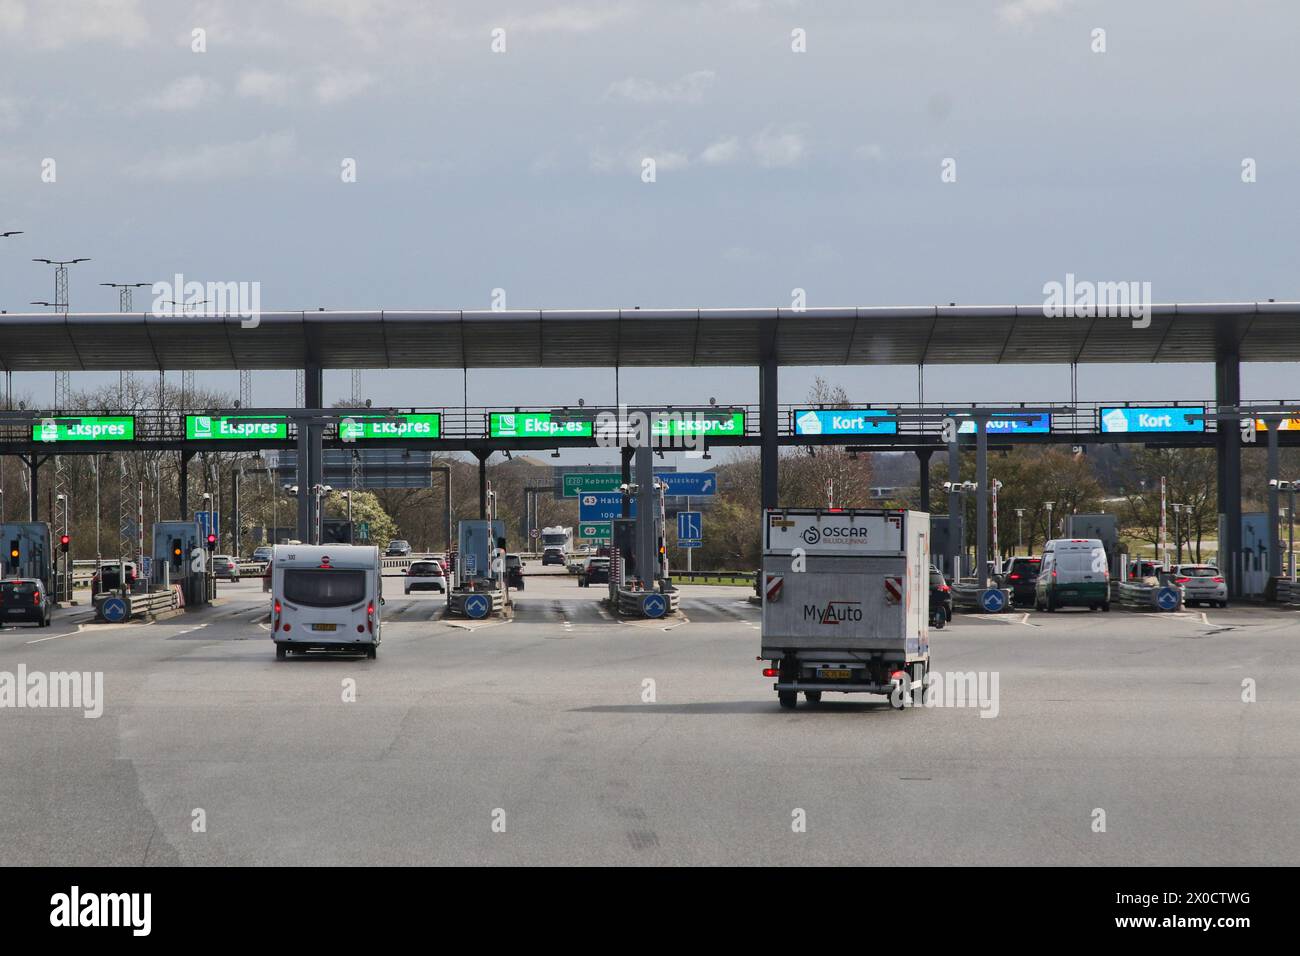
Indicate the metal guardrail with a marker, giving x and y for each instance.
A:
(978, 599)
(1288, 591)
(633, 603)
(690, 577)
(1146, 597)
(143, 604)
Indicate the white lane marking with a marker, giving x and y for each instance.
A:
(81, 629)
(196, 627)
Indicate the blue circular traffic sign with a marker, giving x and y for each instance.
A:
(654, 605)
(114, 610)
(476, 606)
(993, 600)
(1167, 598)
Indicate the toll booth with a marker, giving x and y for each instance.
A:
(174, 547)
(478, 540)
(943, 543)
(623, 542)
(29, 551)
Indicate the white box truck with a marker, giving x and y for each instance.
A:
(846, 598)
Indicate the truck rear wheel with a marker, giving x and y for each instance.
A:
(281, 652)
(787, 698)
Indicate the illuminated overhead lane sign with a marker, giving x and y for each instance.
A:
(687, 422)
(1170, 418)
(235, 427)
(363, 427)
(844, 421)
(84, 428)
(1000, 425)
(538, 425)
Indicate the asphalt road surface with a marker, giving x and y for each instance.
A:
(209, 751)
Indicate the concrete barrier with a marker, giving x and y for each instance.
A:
(1159, 598)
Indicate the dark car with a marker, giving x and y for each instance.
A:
(596, 572)
(108, 577)
(514, 572)
(1021, 578)
(553, 556)
(24, 599)
(940, 598)
(398, 548)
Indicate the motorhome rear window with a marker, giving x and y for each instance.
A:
(324, 588)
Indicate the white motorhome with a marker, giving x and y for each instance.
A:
(326, 598)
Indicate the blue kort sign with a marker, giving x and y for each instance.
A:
(654, 605)
(114, 610)
(476, 606)
(690, 529)
(993, 600)
(1167, 598)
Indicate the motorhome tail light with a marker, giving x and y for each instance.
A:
(277, 616)
(361, 629)
(370, 617)
(771, 672)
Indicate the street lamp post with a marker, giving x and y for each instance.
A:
(1049, 505)
(1020, 531)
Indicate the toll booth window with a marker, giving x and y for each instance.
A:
(324, 588)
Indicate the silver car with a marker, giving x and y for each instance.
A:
(1201, 583)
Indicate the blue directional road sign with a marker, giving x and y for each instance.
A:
(476, 606)
(208, 521)
(690, 529)
(654, 604)
(993, 600)
(689, 484)
(602, 506)
(114, 610)
(1167, 598)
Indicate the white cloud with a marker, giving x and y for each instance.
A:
(337, 87)
(54, 26)
(1021, 11)
(10, 116)
(266, 153)
(570, 18)
(687, 89)
(187, 93)
(264, 85)
(722, 152)
(779, 148)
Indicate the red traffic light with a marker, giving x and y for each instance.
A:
(212, 540)
(64, 541)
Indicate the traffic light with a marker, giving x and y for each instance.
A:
(64, 541)
(178, 553)
(13, 554)
(212, 542)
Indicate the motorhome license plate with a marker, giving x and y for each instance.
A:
(835, 673)
(324, 627)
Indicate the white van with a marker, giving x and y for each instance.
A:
(1074, 573)
(326, 598)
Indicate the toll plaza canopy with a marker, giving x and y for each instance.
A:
(910, 335)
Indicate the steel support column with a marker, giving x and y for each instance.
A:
(769, 449)
(183, 485)
(314, 387)
(923, 459)
(1227, 392)
(482, 457)
(956, 531)
(1274, 529)
(626, 477)
(981, 500)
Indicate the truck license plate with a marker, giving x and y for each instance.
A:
(835, 673)
(324, 627)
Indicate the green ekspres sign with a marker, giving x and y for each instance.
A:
(363, 427)
(680, 424)
(235, 427)
(85, 428)
(537, 425)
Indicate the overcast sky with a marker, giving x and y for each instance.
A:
(775, 169)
